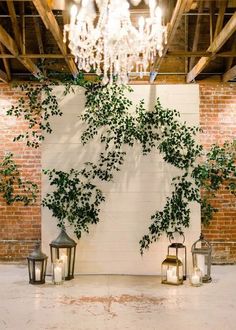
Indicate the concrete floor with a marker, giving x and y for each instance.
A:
(116, 302)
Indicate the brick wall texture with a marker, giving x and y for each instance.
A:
(20, 225)
(218, 121)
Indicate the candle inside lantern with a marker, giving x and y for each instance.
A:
(201, 263)
(64, 259)
(57, 274)
(37, 274)
(195, 279)
(171, 275)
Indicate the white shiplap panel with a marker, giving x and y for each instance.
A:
(137, 191)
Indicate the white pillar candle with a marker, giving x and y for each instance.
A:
(64, 259)
(201, 263)
(37, 274)
(171, 275)
(57, 274)
(195, 279)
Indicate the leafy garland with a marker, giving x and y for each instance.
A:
(107, 116)
(11, 181)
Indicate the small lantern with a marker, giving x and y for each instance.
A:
(63, 248)
(179, 250)
(196, 277)
(201, 252)
(58, 272)
(37, 265)
(172, 271)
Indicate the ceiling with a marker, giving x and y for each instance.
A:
(201, 40)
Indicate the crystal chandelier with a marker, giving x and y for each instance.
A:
(108, 43)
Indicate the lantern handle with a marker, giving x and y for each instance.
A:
(171, 237)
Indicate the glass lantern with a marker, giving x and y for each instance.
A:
(196, 277)
(58, 272)
(172, 270)
(37, 265)
(64, 248)
(201, 253)
(179, 250)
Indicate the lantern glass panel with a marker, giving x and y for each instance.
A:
(201, 253)
(37, 263)
(172, 271)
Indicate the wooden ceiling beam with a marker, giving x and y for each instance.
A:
(181, 53)
(51, 23)
(10, 44)
(214, 47)
(180, 8)
(230, 74)
(15, 25)
(197, 32)
(5, 62)
(3, 77)
(220, 18)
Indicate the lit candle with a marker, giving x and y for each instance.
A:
(195, 279)
(57, 274)
(201, 263)
(37, 274)
(171, 275)
(64, 259)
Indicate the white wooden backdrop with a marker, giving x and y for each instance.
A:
(112, 247)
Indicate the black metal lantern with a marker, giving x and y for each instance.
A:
(201, 252)
(180, 251)
(63, 248)
(37, 265)
(172, 271)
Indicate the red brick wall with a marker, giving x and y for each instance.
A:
(19, 225)
(218, 121)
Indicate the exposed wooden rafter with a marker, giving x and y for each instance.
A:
(5, 62)
(220, 18)
(10, 44)
(3, 77)
(214, 47)
(180, 8)
(15, 25)
(230, 74)
(51, 23)
(197, 32)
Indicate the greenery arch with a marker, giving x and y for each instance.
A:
(107, 116)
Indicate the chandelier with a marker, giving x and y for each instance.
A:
(103, 39)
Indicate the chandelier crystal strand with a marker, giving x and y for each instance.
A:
(109, 44)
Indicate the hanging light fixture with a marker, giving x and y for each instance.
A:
(109, 44)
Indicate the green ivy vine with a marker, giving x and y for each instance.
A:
(107, 115)
(75, 200)
(12, 186)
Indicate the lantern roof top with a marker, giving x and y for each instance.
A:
(63, 241)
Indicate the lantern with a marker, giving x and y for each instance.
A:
(201, 252)
(172, 270)
(196, 277)
(37, 265)
(63, 248)
(58, 272)
(179, 250)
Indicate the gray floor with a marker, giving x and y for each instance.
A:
(116, 302)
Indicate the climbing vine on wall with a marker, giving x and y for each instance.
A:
(13, 187)
(107, 115)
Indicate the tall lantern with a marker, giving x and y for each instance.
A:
(63, 248)
(37, 265)
(180, 251)
(201, 252)
(172, 271)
